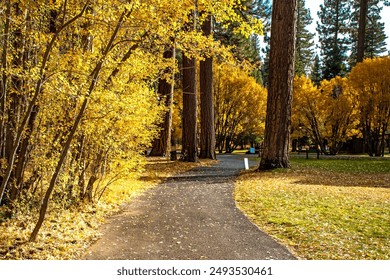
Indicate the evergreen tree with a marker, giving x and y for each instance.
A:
(243, 47)
(207, 128)
(304, 40)
(375, 36)
(375, 31)
(333, 29)
(264, 11)
(316, 71)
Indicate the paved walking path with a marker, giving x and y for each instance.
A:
(190, 216)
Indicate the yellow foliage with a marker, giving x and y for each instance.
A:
(240, 104)
(328, 112)
(87, 71)
(370, 80)
(305, 102)
(346, 107)
(339, 106)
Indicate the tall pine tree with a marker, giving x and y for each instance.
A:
(304, 41)
(189, 152)
(315, 75)
(279, 101)
(207, 123)
(375, 36)
(375, 31)
(242, 47)
(264, 11)
(333, 29)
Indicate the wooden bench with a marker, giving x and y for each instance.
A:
(307, 151)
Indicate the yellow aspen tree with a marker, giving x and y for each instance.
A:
(36, 94)
(339, 109)
(94, 78)
(307, 111)
(328, 114)
(370, 80)
(234, 90)
(84, 107)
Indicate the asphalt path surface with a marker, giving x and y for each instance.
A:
(191, 216)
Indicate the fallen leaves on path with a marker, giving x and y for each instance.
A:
(67, 233)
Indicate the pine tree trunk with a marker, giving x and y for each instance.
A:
(190, 104)
(207, 125)
(362, 30)
(162, 145)
(281, 75)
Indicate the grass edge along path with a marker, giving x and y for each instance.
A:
(322, 213)
(67, 233)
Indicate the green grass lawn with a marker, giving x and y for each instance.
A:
(350, 165)
(323, 209)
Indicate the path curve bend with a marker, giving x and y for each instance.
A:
(191, 216)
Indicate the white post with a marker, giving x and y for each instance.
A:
(246, 163)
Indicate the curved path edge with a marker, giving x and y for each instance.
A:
(191, 216)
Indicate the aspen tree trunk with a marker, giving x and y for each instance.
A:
(207, 123)
(362, 30)
(65, 149)
(16, 105)
(23, 154)
(281, 75)
(4, 80)
(31, 106)
(162, 145)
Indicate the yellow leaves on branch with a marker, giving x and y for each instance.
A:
(333, 111)
(123, 107)
(227, 12)
(339, 107)
(327, 112)
(240, 103)
(80, 88)
(370, 80)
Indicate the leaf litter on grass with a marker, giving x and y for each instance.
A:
(321, 214)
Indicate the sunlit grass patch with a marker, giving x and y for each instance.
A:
(321, 214)
(357, 165)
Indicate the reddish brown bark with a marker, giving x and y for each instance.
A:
(190, 104)
(362, 30)
(162, 144)
(207, 126)
(281, 75)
